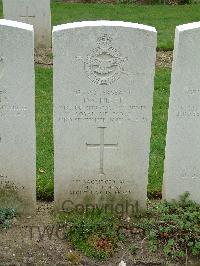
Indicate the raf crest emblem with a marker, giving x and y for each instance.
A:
(104, 65)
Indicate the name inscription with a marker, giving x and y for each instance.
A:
(7, 109)
(102, 106)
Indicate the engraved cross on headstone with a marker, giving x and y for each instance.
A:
(102, 145)
(27, 16)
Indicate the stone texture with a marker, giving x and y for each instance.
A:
(103, 88)
(17, 116)
(182, 162)
(34, 12)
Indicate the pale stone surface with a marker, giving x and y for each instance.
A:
(34, 12)
(17, 116)
(103, 88)
(182, 162)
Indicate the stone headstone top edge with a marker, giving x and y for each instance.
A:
(15, 24)
(188, 26)
(108, 23)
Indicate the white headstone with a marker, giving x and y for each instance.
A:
(34, 12)
(103, 88)
(17, 117)
(182, 160)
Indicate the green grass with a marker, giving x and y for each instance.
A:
(165, 18)
(44, 115)
(45, 138)
(159, 128)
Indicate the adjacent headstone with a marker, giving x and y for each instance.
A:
(103, 88)
(34, 12)
(182, 162)
(17, 117)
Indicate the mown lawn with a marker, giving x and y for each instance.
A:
(45, 138)
(165, 18)
(44, 120)
(159, 128)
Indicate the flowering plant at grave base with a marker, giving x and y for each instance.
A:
(171, 228)
(6, 216)
(174, 227)
(94, 233)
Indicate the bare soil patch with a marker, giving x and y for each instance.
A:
(164, 59)
(44, 57)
